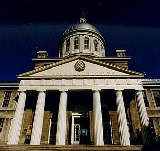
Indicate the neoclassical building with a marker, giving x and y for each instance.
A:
(80, 97)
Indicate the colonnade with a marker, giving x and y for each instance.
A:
(14, 133)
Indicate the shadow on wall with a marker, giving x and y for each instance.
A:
(152, 141)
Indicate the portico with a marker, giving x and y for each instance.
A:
(97, 86)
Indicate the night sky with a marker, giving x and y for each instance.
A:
(27, 26)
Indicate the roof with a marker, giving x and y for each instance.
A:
(109, 65)
(151, 82)
(82, 25)
(10, 85)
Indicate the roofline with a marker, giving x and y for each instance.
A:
(13, 85)
(82, 77)
(109, 65)
(96, 58)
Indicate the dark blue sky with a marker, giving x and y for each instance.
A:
(27, 26)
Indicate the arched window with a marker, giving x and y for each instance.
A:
(86, 43)
(76, 41)
(67, 45)
(95, 45)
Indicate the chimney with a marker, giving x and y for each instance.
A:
(42, 54)
(121, 53)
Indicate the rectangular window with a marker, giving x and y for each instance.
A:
(76, 43)
(145, 99)
(156, 94)
(67, 45)
(86, 43)
(1, 123)
(7, 95)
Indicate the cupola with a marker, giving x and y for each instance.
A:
(82, 39)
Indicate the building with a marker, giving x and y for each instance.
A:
(80, 97)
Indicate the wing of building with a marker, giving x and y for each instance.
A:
(80, 97)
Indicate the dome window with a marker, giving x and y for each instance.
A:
(95, 45)
(76, 41)
(86, 43)
(67, 45)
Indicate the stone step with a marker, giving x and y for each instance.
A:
(69, 148)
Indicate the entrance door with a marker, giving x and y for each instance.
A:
(76, 133)
(80, 129)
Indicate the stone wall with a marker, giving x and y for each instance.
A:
(91, 127)
(27, 121)
(115, 128)
(135, 118)
(46, 127)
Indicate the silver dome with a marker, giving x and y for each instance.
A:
(82, 25)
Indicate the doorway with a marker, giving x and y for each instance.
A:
(80, 129)
(76, 134)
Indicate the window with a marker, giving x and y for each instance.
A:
(67, 45)
(76, 41)
(156, 94)
(86, 43)
(1, 123)
(145, 99)
(95, 45)
(7, 95)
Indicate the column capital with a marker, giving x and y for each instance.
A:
(63, 90)
(118, 90)
(96, 90)
(22, 91)
(42, 91)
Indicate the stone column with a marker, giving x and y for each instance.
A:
(38, 119)
(15, 128)
(122, 120)
(97, 119)
(81, 46)
(142, 114)
(91, 45)
(64, 49)
(61, 124)
(71, 45)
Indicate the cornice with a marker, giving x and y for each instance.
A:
(102, 63)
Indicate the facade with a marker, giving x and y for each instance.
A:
(80, 97)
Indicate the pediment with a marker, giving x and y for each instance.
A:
(80, 66)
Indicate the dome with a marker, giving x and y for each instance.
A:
(82, 39)
(82, 25)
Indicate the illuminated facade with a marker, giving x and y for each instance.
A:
(80, 97)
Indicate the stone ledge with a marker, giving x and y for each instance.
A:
(70, 147)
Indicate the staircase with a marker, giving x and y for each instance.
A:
(69, 148)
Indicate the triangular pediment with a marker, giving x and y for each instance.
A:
(80, 66)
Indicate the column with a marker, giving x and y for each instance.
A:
(122, 120)
(142, 114)
(61, 124)
(99, 48)
(64, 49)
(97, 119)
(38, 119)
(81, 42)
(71, 45)
(15, 128)
(91, 45)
